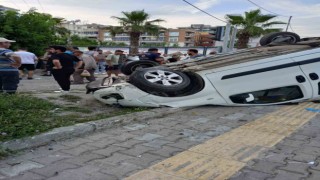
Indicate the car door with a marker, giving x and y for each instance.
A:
(267, 82)
(310, 65)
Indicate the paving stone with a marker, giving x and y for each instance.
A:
(3, 177)
(165, 132)
(201, 120)
(314, 175)
(121, 170)
(102, 143)
(315, 166)
(173, 137)
(76, 142)
(248, 174)
(134, 127)
(20, 168)
(265, 166)
(145, 160)
(277, 157)
(306, 158)
(76, 151)
(97, 136)
(217, 130)
(113, 160)
(188, 132)
(309, 131)
(137, 150)
(279, 148)
(285, 175)
(299, 137)
(157, 143)
(83, 158)
(166, 151)
(296, 167)
(123, 137)
(88, 172)
(54, 169)
(51, 158)
(314, 143)
(309, 150)
(293, 143)
(148, 137)
(183, 144)
(201, 137)
(128, 144)
(26, 176)
(108, 150)
(235, 116)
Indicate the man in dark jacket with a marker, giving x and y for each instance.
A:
(63, 66)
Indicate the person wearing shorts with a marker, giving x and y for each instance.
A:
(113, 63)
(27, 62)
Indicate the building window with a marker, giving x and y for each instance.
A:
(173, 33)
(173, 39)
(268, 96)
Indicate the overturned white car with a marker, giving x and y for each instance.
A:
(283, 73)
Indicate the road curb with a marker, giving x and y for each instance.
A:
(85, 128)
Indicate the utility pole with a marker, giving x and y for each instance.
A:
(288, 23)
(233, 38)
(226, 38)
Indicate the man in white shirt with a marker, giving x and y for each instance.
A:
(27, 62)
(113, 63)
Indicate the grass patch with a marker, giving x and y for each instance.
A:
(70, 98)
(5, 152)
(24, 115)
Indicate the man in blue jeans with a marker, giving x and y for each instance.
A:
(9, 63)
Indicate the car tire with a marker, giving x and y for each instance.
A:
(160, 81)
(196, 85)
(131, 66)
(273, 37)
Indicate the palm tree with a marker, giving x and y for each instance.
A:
(253, 24)
(136, 23)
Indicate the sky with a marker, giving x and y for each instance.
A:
(176, 13)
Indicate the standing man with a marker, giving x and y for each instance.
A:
(154, 55)
(113, 63)
(193, 53)
(63, 67)
(9, 63)
(89, 64)
(27, 62)
(101, 62)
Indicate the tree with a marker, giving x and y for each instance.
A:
(252, 24)
(31, 29)
(135, 23)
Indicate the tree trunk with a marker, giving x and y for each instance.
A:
(243, 40)
(134, 42)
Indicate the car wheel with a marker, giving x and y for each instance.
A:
(287, 37)
(164, 82)
(131, 66)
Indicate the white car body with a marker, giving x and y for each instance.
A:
(236, 84)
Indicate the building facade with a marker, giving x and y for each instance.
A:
(182, 37)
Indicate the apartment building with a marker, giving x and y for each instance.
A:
(182, 37)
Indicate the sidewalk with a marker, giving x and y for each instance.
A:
(119, 152)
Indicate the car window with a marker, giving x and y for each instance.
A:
(275, 95)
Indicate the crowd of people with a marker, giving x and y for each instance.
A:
(71, 65)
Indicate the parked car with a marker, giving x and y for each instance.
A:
(274, 74)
